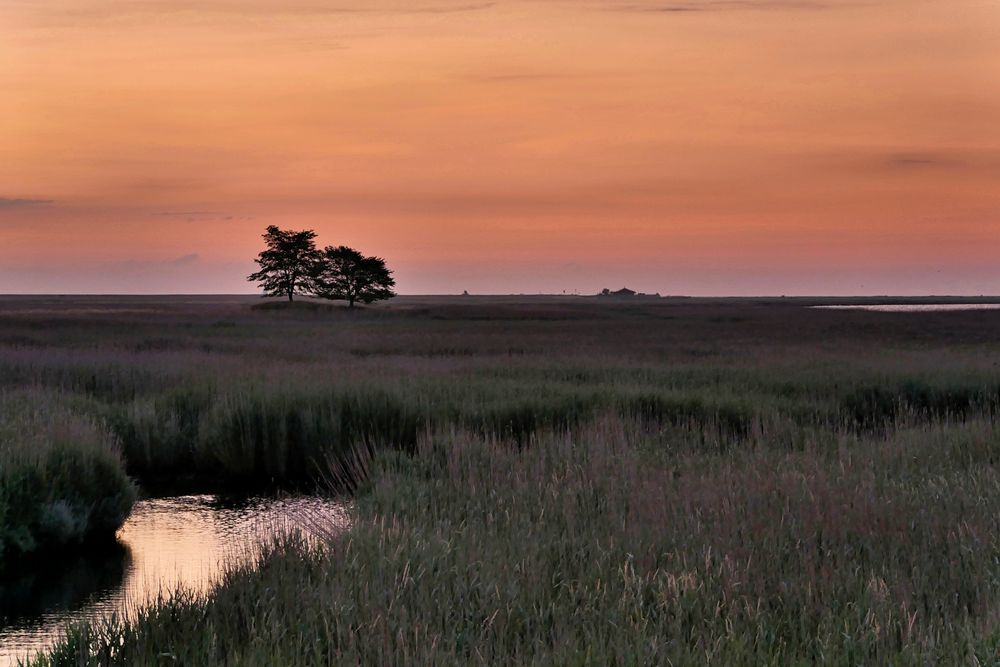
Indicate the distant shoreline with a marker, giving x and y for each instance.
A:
(847, 299)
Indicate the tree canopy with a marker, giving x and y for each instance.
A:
(291, 264)
(288, 263)
(345, 273)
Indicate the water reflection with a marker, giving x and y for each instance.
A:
(166, 542)
(914, 307)
(29, 595)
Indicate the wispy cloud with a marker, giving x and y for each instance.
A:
(971, 162)
(724, 5)
(554, 200)
(185, 260)
(17, 202)
(191, 214)
(112, 10)
(924, 161)
(202, 216)
(517, 77)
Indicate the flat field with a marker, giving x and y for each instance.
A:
(537, 480)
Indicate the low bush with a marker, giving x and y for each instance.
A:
(62, 478)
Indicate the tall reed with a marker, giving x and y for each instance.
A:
(592, 547)
(62, 478)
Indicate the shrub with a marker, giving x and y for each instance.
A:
(62, 479)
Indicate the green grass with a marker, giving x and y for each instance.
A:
(555, 481)
(598, 548)
(224, 394)
(62, 479)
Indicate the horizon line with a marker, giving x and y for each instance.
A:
(642, 296)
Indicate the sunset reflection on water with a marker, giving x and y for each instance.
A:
(167, 543)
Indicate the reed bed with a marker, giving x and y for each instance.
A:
(555, 481)
(594, 547)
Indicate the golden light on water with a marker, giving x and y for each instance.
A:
(171, 545)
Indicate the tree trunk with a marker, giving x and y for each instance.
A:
(291, 293)
(350, 301)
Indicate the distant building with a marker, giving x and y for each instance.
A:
(622, 292)
(626, 293)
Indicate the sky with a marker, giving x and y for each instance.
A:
(700, 147)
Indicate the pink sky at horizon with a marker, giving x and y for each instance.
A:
(518, 146)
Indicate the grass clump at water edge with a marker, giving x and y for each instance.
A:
(62, 479)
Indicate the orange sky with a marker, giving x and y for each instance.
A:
(680, 146)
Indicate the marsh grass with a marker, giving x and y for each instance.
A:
(560, 482)
(592, 547)
(251, 432)
(219, 393)
(62, 479)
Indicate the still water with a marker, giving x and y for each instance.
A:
(182, 541)
(915, 307)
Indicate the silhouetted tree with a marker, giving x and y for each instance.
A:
(288, 263)
(344, 273)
